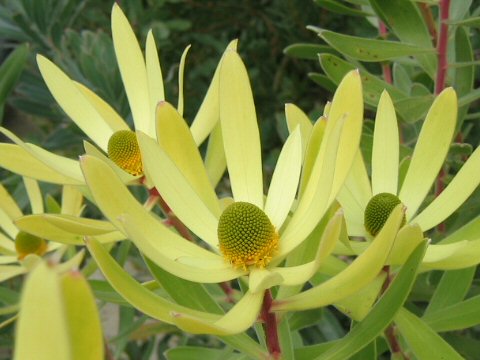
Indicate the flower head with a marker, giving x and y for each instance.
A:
(143, 83)
(364, 198)
(20, 248)
(248, 234)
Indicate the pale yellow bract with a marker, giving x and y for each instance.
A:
(12, 263)
(428, 157)
(143, 82)
(168, 162)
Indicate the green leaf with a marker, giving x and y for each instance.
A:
(401, 79)
(184, 292)
(339, 8)
(335, 68)
(412, 109)
(285, 339)
(469, 98)
(452, 288)
(471, 22)
(104, 291)
(464, 75)
(382, 313)
(405, 20)
(302, 319)
(425, 343)
(194, 352)
(369, 50)
(455, 317)
(323, 81)
(466, 346)
(10, 72)
(307, 51)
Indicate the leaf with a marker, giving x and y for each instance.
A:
(378, 318)
(285, 339)
(401, 79)
(339, 8)
(184, 292)
(195, 352)
(452, 289)
(307, 51)
(382, 313)
(372, 86)
(425, 343)
(458, 316)
(323, 81)
(413, 108)
(464, 76)
(473, 21)
(405, 20)
(369, 50)
(10, 72)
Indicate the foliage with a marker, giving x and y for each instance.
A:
(145, 245)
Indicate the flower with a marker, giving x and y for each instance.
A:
(360, 192)
(20, 251)
(280, 223)
(142, 78)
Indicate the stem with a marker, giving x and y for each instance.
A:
(441, 78)
(442, 47)
(390, 333)
(428, 16)
(387, 71)
(108, 352)
(174, 221)
(227, 289)
(270, 326)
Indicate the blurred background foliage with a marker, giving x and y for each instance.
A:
(286, 62)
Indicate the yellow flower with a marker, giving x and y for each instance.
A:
(360, 191)
(249, 234)
(20, 250)
(143, 82)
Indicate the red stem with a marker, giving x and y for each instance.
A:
(442, 47)
(441, 78)
(174, 221)
(387, 71)
(270, 326)
(428, 16)
(390, 334)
